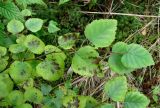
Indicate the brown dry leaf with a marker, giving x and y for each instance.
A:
(144, 32)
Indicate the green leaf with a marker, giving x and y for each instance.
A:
(26, 105)
(107, 106)
(63, 1)
(46, 89)
(10, 11)
(136, 100)
(20, 71)
(15, 26)
(33, 95)
(84, 61)
(34, 44)
(3, 51)
(52, 28)
(137, 57)
(17, 48)
(53, 53)
(86, 102)
(3, 64)
(68, 40)
(26, 12)
(49, 70)
(34, 24)
(116, 65)
(115, 59)
(23, 56)
(6, 85)
(30, 2)
(15, 98)
(112, 85)
(101, 32)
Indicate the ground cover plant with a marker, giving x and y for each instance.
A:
(53, 56)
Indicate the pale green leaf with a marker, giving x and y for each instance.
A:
(67, 41)
(26, 12)
(20, 71)
(49, 70)
(34, 44)
(101, 32)
(33, 95)
(52, 28)
(15, 26)
(137, 57)
(136, 100)
(17, 48)
(3, 51)
(116, 88)
(34, 24)
(84, 61)
(53, 53)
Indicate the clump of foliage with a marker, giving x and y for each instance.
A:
(26, 59)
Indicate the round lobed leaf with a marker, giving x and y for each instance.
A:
(68, 40)
(34, 24)
(3, 51)
(15, 98)
(33, 95)
(52, 53)
(49, 70)
(136, 100)
(136, 57)
(15, 26)
(34, 44)
(20, 71)
(116, 65)
(17, 48)
(112, 85)
(101, 32)
(84, 61)
(3, 64)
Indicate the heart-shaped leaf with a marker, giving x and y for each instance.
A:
(84, 61)
(101, 32)
(15, 26)
(112, 85)
(34, 44)
(136, 100)
(34, 24)
(52, 27)
(137, 57)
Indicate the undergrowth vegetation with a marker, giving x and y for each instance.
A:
(54, 55)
